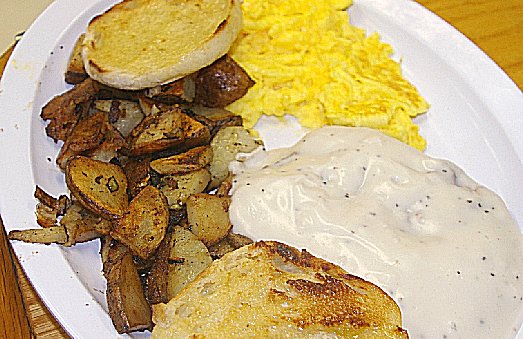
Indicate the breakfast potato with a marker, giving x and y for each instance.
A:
(137, 172)
(144, 223)
(87, 134)
(188, 257)
(215, 118)
(128, 308)
(226, 144)
(76, 225)
(177, 188)
(82, 225)
(225, 187)
(125, 115)
(194, 159)
(220, 249)
(110, 93)
(78, 228)
(158, 277)
(108, 150)
(49, 208)
(238, 240)
(59, 204)
(231, 242)
(65, 110)
(48, 235)
(94, 137)
(208, 217)
(165, 130)
(99, 186)
(75, 72)
(46, 216)
(176, 92)
(150, 106)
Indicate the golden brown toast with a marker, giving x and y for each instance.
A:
(269, 289)
(144, 43)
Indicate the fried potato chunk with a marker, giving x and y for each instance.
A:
(99, 186)
(188, 258)
(228, 142)
(126, 301)
(177, 188)
(82, 225)
(143, 225)
(167, 129)
(221, 83)
(231, 242)
(208, 217)
(64, 111)
(194, 159)
(48, 235)
(75, 72)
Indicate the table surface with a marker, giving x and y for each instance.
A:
(495, 26)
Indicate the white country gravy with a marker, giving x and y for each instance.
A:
(444, 247)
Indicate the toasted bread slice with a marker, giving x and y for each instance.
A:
(144, 43)
(268, 289)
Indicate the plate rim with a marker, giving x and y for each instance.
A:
(67, 13)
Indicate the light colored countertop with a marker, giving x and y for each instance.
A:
(16, 17)
(495, 26)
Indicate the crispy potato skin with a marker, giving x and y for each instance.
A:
(48, 235)
(168, 129)
(215, 118)
(128, 307)
(176, 92)
(99, 186)
(82, 225)
(158, 277)
(49, 208)
(64, 111)
(194, 159)
(143, 225)
(87, 134)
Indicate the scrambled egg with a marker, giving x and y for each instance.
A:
(308, 61)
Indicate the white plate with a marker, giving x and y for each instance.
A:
(475, 120)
